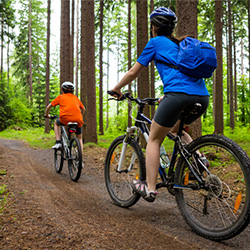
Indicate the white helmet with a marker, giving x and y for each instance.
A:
(68, 85)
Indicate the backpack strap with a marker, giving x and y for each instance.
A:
(173, 39)
(168, 64)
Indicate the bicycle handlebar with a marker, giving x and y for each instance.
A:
(149, 101)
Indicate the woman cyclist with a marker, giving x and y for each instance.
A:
(180, 91)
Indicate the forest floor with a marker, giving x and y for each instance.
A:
(49, 211)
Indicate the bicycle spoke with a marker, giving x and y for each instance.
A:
(119, 173)
(222, 205)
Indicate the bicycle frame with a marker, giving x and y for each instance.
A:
(140, 126)
(65, 141)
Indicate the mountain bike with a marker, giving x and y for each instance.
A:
(213, 200)
(70, 151)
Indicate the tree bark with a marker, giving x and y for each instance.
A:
(152, 73)
(231, 87)
(72, 41)
(65, 48)
(129, 59)
(2, 27)
(30, 56)
(142, 39)
(235, 72)
(77, 34)
(101, 71)
(47, 124)
(88, 69)
(248, 10)
(218, 88)
(186, 11)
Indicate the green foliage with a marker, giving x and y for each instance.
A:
(35, 137)
(3, 198)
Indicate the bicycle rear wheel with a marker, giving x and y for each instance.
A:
(58, 160)
(222, 209)
(118, 182)
(75, 161)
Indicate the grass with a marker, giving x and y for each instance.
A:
(36, 137)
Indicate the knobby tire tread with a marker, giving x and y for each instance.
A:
(245, 162)
(142, 167)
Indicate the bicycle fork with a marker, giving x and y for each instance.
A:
(130, 130)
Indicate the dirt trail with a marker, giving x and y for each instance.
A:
(49, 211)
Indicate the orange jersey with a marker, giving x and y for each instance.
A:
(70, 108)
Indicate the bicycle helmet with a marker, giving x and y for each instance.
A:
(165, 19)
(68, 86)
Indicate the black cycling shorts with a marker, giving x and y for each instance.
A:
(170, 108)
(78, 130)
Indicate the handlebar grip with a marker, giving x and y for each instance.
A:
(112, 93)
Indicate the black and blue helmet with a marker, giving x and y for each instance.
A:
(164, 17)
(163, 11)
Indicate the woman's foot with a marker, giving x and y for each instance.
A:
(141, 188)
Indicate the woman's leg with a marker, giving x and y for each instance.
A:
(186, 137)
(156, 137)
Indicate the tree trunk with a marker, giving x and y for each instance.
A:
(152, 73)
(88, 69)
(235, 72)
(30, 57)
(218, 88)
(8, 60)
(47, 124)
(77, 31)
(186, 11)
(2, 27)
(72, 41)
(248, 10)
(101, 72)
(231, 87)
(65, 49)
(107, 107)
(142, 39)
(129, 59)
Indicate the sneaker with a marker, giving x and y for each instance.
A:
(57, 146)
(141, 188)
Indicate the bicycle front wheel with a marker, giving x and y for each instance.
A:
(75, 161)
(124, 163)
(221, 209)
(58, 160)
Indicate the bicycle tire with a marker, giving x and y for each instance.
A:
(118, 183)
(58, 160)
(75, 161)
(223, 210)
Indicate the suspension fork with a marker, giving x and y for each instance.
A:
(130, 130)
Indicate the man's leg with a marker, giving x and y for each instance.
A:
(57, 131)
(79, 136)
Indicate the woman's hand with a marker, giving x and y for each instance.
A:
(118, 91)
(160, 99)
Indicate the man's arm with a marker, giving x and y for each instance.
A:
(83, 110)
